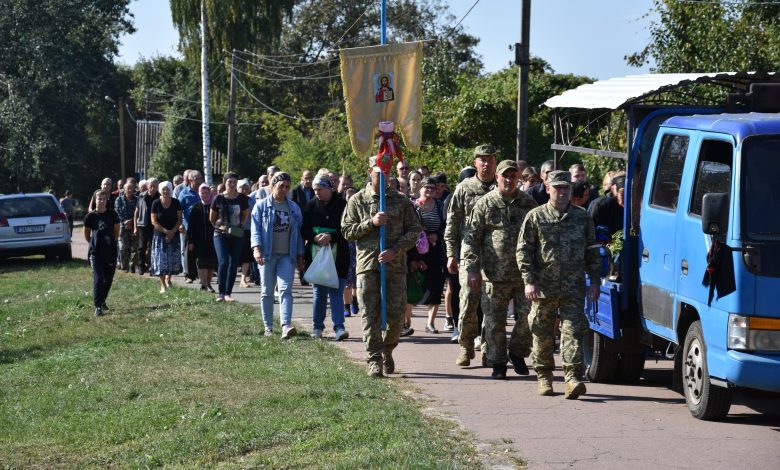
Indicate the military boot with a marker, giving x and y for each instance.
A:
(545, 386)
(388, 362)
(465, 357)
(574, 388)
(499, 372)
(375, 369)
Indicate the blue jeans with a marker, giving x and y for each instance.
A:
(321, 294)
(281, 269)
(228, 252)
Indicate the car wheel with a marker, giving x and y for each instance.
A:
(66, 254)
(705, 400)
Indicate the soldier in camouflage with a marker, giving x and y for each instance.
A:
(466, 194)
(360, 223)
(556, 247)
(491, 233)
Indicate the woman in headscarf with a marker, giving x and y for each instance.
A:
(200, 233)
(228, 214)
(277, 247)
(166, 252)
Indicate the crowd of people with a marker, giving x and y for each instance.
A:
(507, 240)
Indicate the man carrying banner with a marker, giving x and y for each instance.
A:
(360, 223)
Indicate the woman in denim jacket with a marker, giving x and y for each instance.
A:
(277, 247)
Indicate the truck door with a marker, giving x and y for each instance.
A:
(658, 232)
(712, 174)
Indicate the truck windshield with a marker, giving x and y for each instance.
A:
(761, 214)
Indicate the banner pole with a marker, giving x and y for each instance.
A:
(382, 187)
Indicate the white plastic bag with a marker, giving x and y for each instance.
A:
(322, 270)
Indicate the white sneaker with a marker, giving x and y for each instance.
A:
(477, 342)
(316, 333)
(288, 332)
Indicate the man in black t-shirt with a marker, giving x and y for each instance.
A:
(101, 230)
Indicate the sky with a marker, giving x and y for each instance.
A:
(575, 36)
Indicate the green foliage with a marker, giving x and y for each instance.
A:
(56, 130)
(712, 36)
(232, 24)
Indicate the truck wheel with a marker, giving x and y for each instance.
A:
(705, 400)
(600, 364)
(630, 367)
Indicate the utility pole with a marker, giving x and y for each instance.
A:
(231, 116)
(120, 108)
(523, 60)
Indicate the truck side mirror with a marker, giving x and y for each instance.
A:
(715, 213)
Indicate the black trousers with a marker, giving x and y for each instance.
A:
(103, 269)
(145, 247)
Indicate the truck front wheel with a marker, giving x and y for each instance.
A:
(705, 400)
(600, 364)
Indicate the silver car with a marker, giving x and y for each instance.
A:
(33, 224)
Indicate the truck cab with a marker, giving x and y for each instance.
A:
(699, 273)
(709, 248)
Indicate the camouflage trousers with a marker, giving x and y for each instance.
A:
(128, 249)
(574, 324)
(468, 325)
(368, 294)
(495, 304)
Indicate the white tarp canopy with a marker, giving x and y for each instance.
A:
(616, 93)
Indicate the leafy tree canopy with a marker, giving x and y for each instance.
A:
(709, 36)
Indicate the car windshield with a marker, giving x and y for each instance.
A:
(761, 214)
(32, 206)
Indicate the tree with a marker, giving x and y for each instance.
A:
(709, 36)
(228, 24)
(56, 130)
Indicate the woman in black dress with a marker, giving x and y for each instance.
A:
(200, 233)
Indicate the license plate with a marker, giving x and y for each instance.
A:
(30, 229)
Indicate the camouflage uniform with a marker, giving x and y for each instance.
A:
(401, 233)
(554, 251)
(466, 194)
(491, 235)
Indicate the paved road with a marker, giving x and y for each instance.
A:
(643, 426)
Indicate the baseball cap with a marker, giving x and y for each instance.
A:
(484, 149)
(506, 165)
(559, 178)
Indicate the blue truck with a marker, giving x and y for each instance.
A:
(699, 272)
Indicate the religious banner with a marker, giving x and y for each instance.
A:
(382, 83)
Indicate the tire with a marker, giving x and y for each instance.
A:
(630, 367)
(600, 364)
(66, 254)
(705, 400)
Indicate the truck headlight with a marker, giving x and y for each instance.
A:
(753, 333)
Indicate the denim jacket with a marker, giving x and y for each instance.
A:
(263, 227)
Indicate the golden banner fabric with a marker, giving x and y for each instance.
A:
(383, 83)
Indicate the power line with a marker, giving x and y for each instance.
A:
(275, 111)
(291, 78)
(467, 14)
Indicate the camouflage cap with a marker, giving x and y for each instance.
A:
(559, 178)
(484, 149)
(506, 165)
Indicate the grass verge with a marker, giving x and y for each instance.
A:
(178, 380)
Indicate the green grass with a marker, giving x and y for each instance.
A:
(177, 380)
